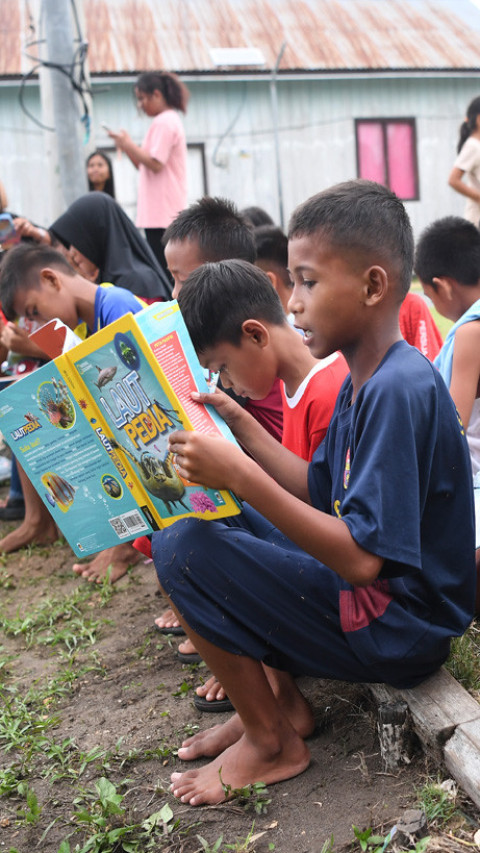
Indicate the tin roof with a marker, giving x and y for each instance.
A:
(127, 36)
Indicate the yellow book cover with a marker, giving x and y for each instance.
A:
(138, 409)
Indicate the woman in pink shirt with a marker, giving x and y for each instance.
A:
(161, 159)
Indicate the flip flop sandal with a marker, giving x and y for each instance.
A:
(176, 630)
(215, 706)
(193, 657)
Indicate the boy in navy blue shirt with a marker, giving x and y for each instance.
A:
(359, 566)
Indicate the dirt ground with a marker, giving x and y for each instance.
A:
(139, 697)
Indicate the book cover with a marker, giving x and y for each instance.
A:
(138, 410)
(78, 480)
(91, 430)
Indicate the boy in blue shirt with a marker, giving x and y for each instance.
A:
(447, 262)
(37, 282)
(358, 566)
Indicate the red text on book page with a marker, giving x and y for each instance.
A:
(170, 355)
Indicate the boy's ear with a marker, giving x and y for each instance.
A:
(443, 285)
(256, 332)
(50, 278)
(273, 278)
(376, 285)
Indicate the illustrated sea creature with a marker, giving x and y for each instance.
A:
(159, 477)
(56, 406)
(202, 502)
(128, 353)
(105, 374)
(59, 489)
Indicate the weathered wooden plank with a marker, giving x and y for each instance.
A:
(462, 758)
(437, 706)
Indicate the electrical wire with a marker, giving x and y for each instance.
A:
(74, 71)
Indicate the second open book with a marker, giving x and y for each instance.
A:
(91, 430)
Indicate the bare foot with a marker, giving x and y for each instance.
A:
(218, 738)
(213, 741)
(187, 648)
(30, 533)
(244, 763)
(167, 620)
(211, 689)
(114, 561)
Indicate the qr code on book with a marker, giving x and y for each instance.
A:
(128, 523)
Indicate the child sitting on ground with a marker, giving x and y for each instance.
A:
(38, 283)
(358, 566)
(238, 328)
(212, 229)
(447, 262)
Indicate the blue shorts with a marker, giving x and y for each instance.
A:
(246, 588)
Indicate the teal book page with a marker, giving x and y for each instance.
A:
(138, 411)
(73, 468)
(164, 328)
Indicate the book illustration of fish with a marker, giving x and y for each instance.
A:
(55, 403)
(59, 492)
(158, 476)
(105, 374)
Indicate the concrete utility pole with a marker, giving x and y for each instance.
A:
(61, 110)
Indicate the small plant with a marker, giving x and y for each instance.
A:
(103, 816)
(464, 657)
(184, 689)
(438, 801)
(239, 846)
(31, 814)
(255, 795)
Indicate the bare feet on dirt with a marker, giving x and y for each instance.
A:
(243, 763)
(30, 533)
(216, 739)
(114, 562)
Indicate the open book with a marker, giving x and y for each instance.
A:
(91, 430)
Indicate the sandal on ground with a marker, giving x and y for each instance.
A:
(13, 510)
(193, 657)
(215, 706)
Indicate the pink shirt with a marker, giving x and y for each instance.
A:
(163, 194)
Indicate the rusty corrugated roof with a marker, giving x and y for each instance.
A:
(127, 36)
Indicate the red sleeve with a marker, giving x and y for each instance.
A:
(418, 326)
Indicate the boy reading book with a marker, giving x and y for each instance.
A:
(37, 282)
(238, 328)
(358, 566)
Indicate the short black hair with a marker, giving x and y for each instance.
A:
(256, 216)
(271, 244)
(20, 269)
(364, 218)
(221, 231)
(449, 247)
(217, 298)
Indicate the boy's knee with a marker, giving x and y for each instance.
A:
(179, 548)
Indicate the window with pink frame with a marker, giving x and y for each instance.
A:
(387, 153)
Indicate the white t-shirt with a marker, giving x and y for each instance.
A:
(469, 162)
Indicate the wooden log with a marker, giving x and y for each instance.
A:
(447, 720)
